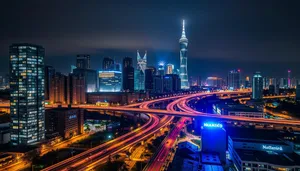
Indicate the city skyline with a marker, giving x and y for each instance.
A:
(216, 39)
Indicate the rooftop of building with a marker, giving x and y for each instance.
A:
(210, 158)
(282, 159)
(253, 134)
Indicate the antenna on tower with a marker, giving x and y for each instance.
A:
(183, 29)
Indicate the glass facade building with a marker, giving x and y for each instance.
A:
(234, 79)
(110, 81)
(27, 93)
(257, 86)
(140, 72)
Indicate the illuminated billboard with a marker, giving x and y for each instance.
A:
(212, 125)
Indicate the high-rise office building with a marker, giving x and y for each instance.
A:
(171, 83)
(49, 73)
(233, 80)
(83, 61)
(257, 86)
(90, 78)
(110, 81)
(27, 78)
(149, 74)
(140, 72)
(76, 90)
(58, 88)
(183, 42)
(158, 84)
(298, 92)
(161, 69)
(247, 82)
(108, 64)
(128, 75)
(283, 83)
(170, 69)
(289, 78)
(214, 82)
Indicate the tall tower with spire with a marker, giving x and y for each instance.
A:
(183, 42)
(140, 72)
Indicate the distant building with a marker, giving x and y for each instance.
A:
(234, 79)
(247, 83)
(158, 84)
(214, 82)
(213, 137)
(64, 121)
(283, 83)
(171, 83)
(128, 75)
(27, 78)
(110, 81)
(161, 69)
(58, 88)
(298, 92)
(289, 79)
(76, 93)
(90, 78)
(49, 73)
(108, 64)
(149, 74)
(139, 77)
(257, 86)
(83, 61)
(170, 69)
(272, 89)
(116, 97)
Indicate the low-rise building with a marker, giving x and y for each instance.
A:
(64, 121)
(251, 149)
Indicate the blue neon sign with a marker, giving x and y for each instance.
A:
(271, 147)
(213, 125)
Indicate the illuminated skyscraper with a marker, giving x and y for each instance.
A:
(27, 90)
(233, 80)
(108, 64)
(83, 61)
(257, 86)
(183, 42)
(128, 74)
(289, 78)
(140, 72)
(170, 69)
(110, 81)
(161, 69)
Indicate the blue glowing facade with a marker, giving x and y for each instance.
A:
(110, 81)
(183, 42)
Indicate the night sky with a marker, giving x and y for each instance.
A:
(252, 35)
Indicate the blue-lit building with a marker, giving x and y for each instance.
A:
(257, 86)
(214, 140)
(110, 81)
(183, 42)
(90, 78)
(171, 83)
(27, 78)
(161, 69)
